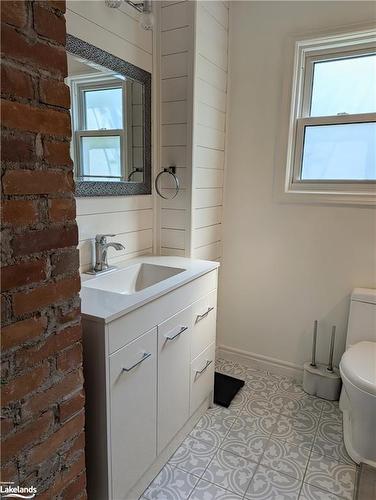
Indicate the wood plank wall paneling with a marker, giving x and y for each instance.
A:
(196, 148)
(130, 218)
(211, 71)
(114, 30)
(176, 122)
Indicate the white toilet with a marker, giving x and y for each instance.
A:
(358, 373)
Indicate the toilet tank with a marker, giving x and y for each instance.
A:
(362, 316)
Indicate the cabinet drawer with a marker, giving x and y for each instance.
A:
(202, 377)
(204, 319)
(174, 349)
(132, 325)
(133, 402)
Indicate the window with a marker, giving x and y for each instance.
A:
(99, 120)
(332, 134)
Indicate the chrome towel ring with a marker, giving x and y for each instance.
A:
(134, 171)
(170, 171)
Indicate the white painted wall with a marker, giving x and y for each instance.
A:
(284, 265)
(131, 217)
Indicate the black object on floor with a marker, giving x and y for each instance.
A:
(225, 389)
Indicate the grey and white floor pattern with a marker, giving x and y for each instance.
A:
(274, 442)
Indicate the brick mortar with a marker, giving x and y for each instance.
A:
(29, 32)
(42, 361)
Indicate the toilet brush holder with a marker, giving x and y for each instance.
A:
(319, 381)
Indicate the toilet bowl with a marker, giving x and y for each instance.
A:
(358, 373)
(358, 401)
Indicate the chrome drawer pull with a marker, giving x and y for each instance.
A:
(172, 337)
(199, 317)
(145, 356)
(208, 363)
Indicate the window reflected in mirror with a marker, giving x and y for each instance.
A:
(107, 112)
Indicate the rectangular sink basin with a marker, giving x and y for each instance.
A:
(132, 279)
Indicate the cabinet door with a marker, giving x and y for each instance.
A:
(133, 405)
(202, 377)
(204, 317)
(174, 338)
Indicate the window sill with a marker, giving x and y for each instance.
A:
(298, 194)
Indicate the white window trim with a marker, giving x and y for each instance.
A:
(295, 102)
(78, 84)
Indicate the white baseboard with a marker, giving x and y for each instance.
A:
(273, 365)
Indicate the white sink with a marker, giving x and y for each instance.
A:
(132, 279)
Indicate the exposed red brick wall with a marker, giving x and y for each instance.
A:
(42, 383)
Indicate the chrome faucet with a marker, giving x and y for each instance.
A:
(101, 248)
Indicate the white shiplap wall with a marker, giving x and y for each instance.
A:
(176, 62)
(209, 127)
(117, 31)
(194, 44)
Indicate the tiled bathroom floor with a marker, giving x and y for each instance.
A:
(273, 442)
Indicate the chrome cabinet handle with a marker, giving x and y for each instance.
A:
(199, 317)
(145, 356)
(208, 363)
(172, 337)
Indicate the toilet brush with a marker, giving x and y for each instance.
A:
(331, 351)
(319, 379)
(314, 342)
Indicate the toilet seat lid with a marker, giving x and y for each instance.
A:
(358, 364)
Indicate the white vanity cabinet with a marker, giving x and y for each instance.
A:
(202, 375)
(174, 351)
(133, 397)
(149, 375)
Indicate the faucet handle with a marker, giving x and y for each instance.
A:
(101, 238)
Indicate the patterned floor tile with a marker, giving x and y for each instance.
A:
(329, 439)
(249, 435)
(293, 406)
(193, 456)
(330, 430)
(298, 431)
(249, 447)
(337, 452)
(267, 484)
(331, 475)
(245, 443)
(263, 424)
(330, 409)
(286, 458)
(230, 471)
(239, 401)
(231, 368)
(261, 386)
(272, 421)
(259, 406)
(209, 491)
(255, 372)
(214, 425)
(309, 492)
(219, 364)
(171, 484)
(239, 371)
(288, 387)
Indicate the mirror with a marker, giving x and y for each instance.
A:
(110, 111)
